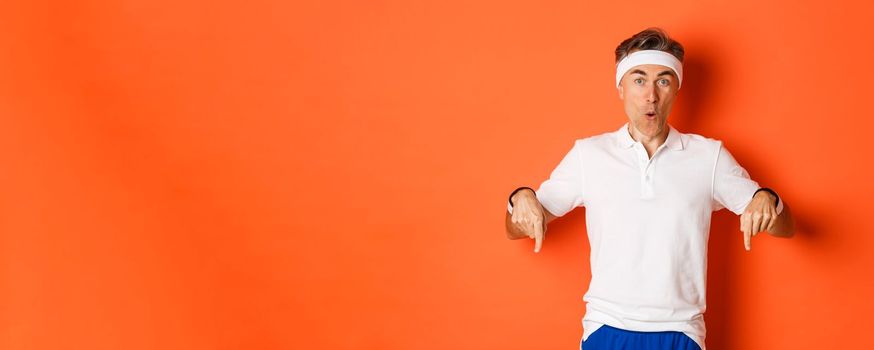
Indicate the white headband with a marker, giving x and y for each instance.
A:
(649, 57)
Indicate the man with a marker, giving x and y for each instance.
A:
(649, 192)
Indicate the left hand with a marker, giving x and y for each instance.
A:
(760, 215)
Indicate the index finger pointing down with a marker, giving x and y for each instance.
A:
(538, 235)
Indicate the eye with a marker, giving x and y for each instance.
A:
(638, 81)
(664, 82)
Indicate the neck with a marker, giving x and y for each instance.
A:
(651, 143)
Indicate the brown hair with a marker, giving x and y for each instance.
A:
(650, 39)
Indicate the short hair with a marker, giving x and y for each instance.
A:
(650, 39)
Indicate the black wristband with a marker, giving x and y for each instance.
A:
(769, 191)
(517, 190)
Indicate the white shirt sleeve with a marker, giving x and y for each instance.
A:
(732, 187)
(563, 191)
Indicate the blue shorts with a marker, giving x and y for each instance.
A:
(611, 338)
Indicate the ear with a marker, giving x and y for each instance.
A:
(621, 92)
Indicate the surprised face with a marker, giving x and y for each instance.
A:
(648, 92)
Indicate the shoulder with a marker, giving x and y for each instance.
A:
(701, 140)
(696, 141)
(603, 140)
(711, 149)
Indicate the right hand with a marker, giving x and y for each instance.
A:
(528, 216)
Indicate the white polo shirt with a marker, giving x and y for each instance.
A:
(648, 222)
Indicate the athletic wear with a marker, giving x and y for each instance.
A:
(610, 338)
(648, 222)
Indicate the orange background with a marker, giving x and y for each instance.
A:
(333, 175)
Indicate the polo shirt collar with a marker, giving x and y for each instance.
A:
(674, 140)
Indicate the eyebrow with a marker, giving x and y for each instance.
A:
(667, 72)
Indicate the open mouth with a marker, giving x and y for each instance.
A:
(650, 115)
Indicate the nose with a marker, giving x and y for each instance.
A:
(652, 94)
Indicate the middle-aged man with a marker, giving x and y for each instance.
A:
(649, 192)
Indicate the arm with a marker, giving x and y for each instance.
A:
(732, 185)
(561, 193)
